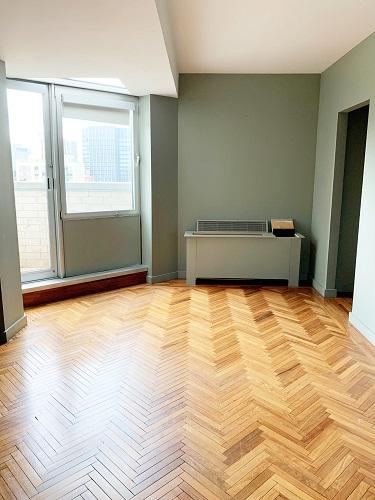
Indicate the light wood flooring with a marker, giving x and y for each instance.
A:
(169, 391)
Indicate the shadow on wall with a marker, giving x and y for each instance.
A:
(312, 258)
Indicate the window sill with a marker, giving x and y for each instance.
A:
(98, 215)
(47, 284)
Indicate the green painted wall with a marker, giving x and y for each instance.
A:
(158, 146)
(94, 245)
(164, 185)
(247, 150)
(347, 83)
(11, 295)
(145, 179)
(351, 198)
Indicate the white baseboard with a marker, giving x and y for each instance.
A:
(159, 278)
(16, 327)
(362, 328)
(329, 293)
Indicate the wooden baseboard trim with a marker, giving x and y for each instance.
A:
(31, 299)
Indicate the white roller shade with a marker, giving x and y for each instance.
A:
(96, 113)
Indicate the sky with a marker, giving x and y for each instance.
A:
(26, 119)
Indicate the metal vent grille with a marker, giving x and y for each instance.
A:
(232, 226)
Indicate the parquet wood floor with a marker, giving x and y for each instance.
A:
(169, 391)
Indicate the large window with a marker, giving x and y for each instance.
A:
(28, 107)
(97, 154)
(74, 155)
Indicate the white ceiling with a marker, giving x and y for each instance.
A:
(145, 43)
(267, 36)
(119, 39)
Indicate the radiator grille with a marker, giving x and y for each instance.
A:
(232, 226)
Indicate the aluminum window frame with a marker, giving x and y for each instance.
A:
(45, 90)
(96, 99)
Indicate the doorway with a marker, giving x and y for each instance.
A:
(355, 148)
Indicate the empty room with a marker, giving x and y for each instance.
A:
(187, 249)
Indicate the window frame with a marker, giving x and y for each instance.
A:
(44, 91)
(96, 99)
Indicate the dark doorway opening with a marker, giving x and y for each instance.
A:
(351, 200)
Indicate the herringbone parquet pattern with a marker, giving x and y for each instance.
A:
(178, 392)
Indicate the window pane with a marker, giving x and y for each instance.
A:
(27, 138)
(98, 158)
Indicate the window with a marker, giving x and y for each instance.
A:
(74, 156)
(97, 154)
(28, 108)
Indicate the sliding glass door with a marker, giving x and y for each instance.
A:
(29, 121)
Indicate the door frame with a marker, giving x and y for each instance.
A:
(337, 191)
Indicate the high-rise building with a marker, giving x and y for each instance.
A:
(106, 153)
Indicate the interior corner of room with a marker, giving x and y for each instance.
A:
(229, 146)
(187, 249)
